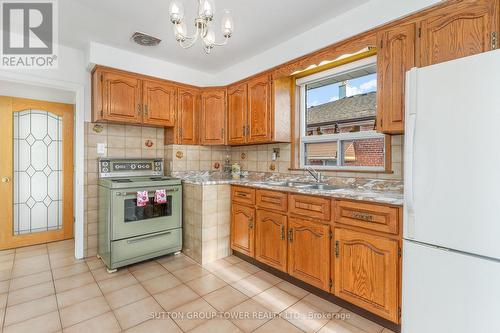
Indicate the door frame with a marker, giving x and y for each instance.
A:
(78, 89)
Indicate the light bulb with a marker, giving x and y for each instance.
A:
(180, 31)
(207, 9)
(209, 38)
(227, 25)
(176, 10)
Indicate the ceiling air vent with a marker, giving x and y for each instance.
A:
(145, 40)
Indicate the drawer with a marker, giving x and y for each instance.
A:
(245, 195)
(369, 216)
(272, 200)
(150, 246)
(309, 206)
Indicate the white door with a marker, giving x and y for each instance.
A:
(446, 291)
(452, 155)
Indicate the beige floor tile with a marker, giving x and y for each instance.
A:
(94, 263)
(190, 273)
(4, 286)
(30, 280)
(101, 274)
(175, 297)
(292, 289)
(7, 257)
(24, 311)
(156, 326)
(160, 283)
(225, 298)
(6, 264)
(268, 277)
(339, 326)
(275, 299)
(74, 281)
(2, 316)
(300, 313)
(251, 285)
(233, 260)
(361, 322)
(206, 284)
(386, 330)
(278, 325)
(216, 265)
(252, 269)
(135, 313)
(64, 261)
(45, 323)
(79, 312)
(6, 252)
(78, 295)
(119, 282)
(31, 253)
(217, 326)
(322, 304)
(250, 315)
(5, 274)
(3, 300)
(62, 272)
(105, 323)
(183, 315)
(149, 272)
(30, 265)
(142, 265)
(176, 262)
(30, 293)
(127, 295)
(231, 274)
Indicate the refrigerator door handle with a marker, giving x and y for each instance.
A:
(411, 119)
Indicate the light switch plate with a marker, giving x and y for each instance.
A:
(101, 148)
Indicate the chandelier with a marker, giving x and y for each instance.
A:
(203, 24)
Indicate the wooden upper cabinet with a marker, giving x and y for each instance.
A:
(259, 127)
(213, 117)
(242, 229)
(396, 55)
(159, 100)
(309, 252)
(366, 272)
(237, 114)
(458, 31)
(270, 239)
(188, 104)
(117, 97)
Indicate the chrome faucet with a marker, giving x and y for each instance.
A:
(315, 174)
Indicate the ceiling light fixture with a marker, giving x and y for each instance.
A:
(203, 24)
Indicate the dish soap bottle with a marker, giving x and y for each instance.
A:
(236, 171)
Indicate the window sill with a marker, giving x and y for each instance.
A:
(388, 172)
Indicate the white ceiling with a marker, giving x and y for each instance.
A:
(259, 25)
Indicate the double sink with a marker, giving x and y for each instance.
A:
(302, 185)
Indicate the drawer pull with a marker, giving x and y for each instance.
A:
(290, 235)
(362, 216)
(337, 250)
(137, 240)
(124, 194)
(241, 194)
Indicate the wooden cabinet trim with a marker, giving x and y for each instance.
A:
(271, 239)
(368, 216)
(242, 236)
(309, 206)
(241, 194)
(272, 200)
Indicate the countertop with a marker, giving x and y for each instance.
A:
(372, 190)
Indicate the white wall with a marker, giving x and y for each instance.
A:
(360, 19)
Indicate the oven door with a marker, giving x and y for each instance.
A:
(129, 220)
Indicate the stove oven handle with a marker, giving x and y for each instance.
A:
(123, 194)
(136, 240)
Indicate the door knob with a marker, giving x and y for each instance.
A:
(5, 179)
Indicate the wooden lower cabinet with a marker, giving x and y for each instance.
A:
(366, 272)
(270, 239)
(309, 252)
(242, 229)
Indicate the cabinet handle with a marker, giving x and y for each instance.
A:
(180, 132)
(282, 232)
(250, 223)
(222, 133)
(244, 130)
(337, 251)
(241, 194)
(362, 216)
(290, 234)
(146, 110)
(139, 109)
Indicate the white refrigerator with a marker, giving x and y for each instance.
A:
(451, 231)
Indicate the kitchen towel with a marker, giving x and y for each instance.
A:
(161, 196)
(142, 198)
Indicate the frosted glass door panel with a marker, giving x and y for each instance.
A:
(38, 164)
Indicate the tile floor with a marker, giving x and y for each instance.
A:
(44, 289)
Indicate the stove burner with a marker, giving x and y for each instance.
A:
(121, 181)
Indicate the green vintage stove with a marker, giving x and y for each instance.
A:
(128, 232)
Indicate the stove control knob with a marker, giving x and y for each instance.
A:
(104, 164)
(105, 169)
(133, 166)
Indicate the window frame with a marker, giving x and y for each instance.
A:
(302, 83)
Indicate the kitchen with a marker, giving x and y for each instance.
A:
(183, 181)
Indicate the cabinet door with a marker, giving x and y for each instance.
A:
(237, 114)
(366, 272)
(213, 120)
(309, 252)
(259, 110)
(396, 56)
(187, 116)
(270, 239)
(121, 98)
(463, 32)
(242, 229)
(159, 103)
